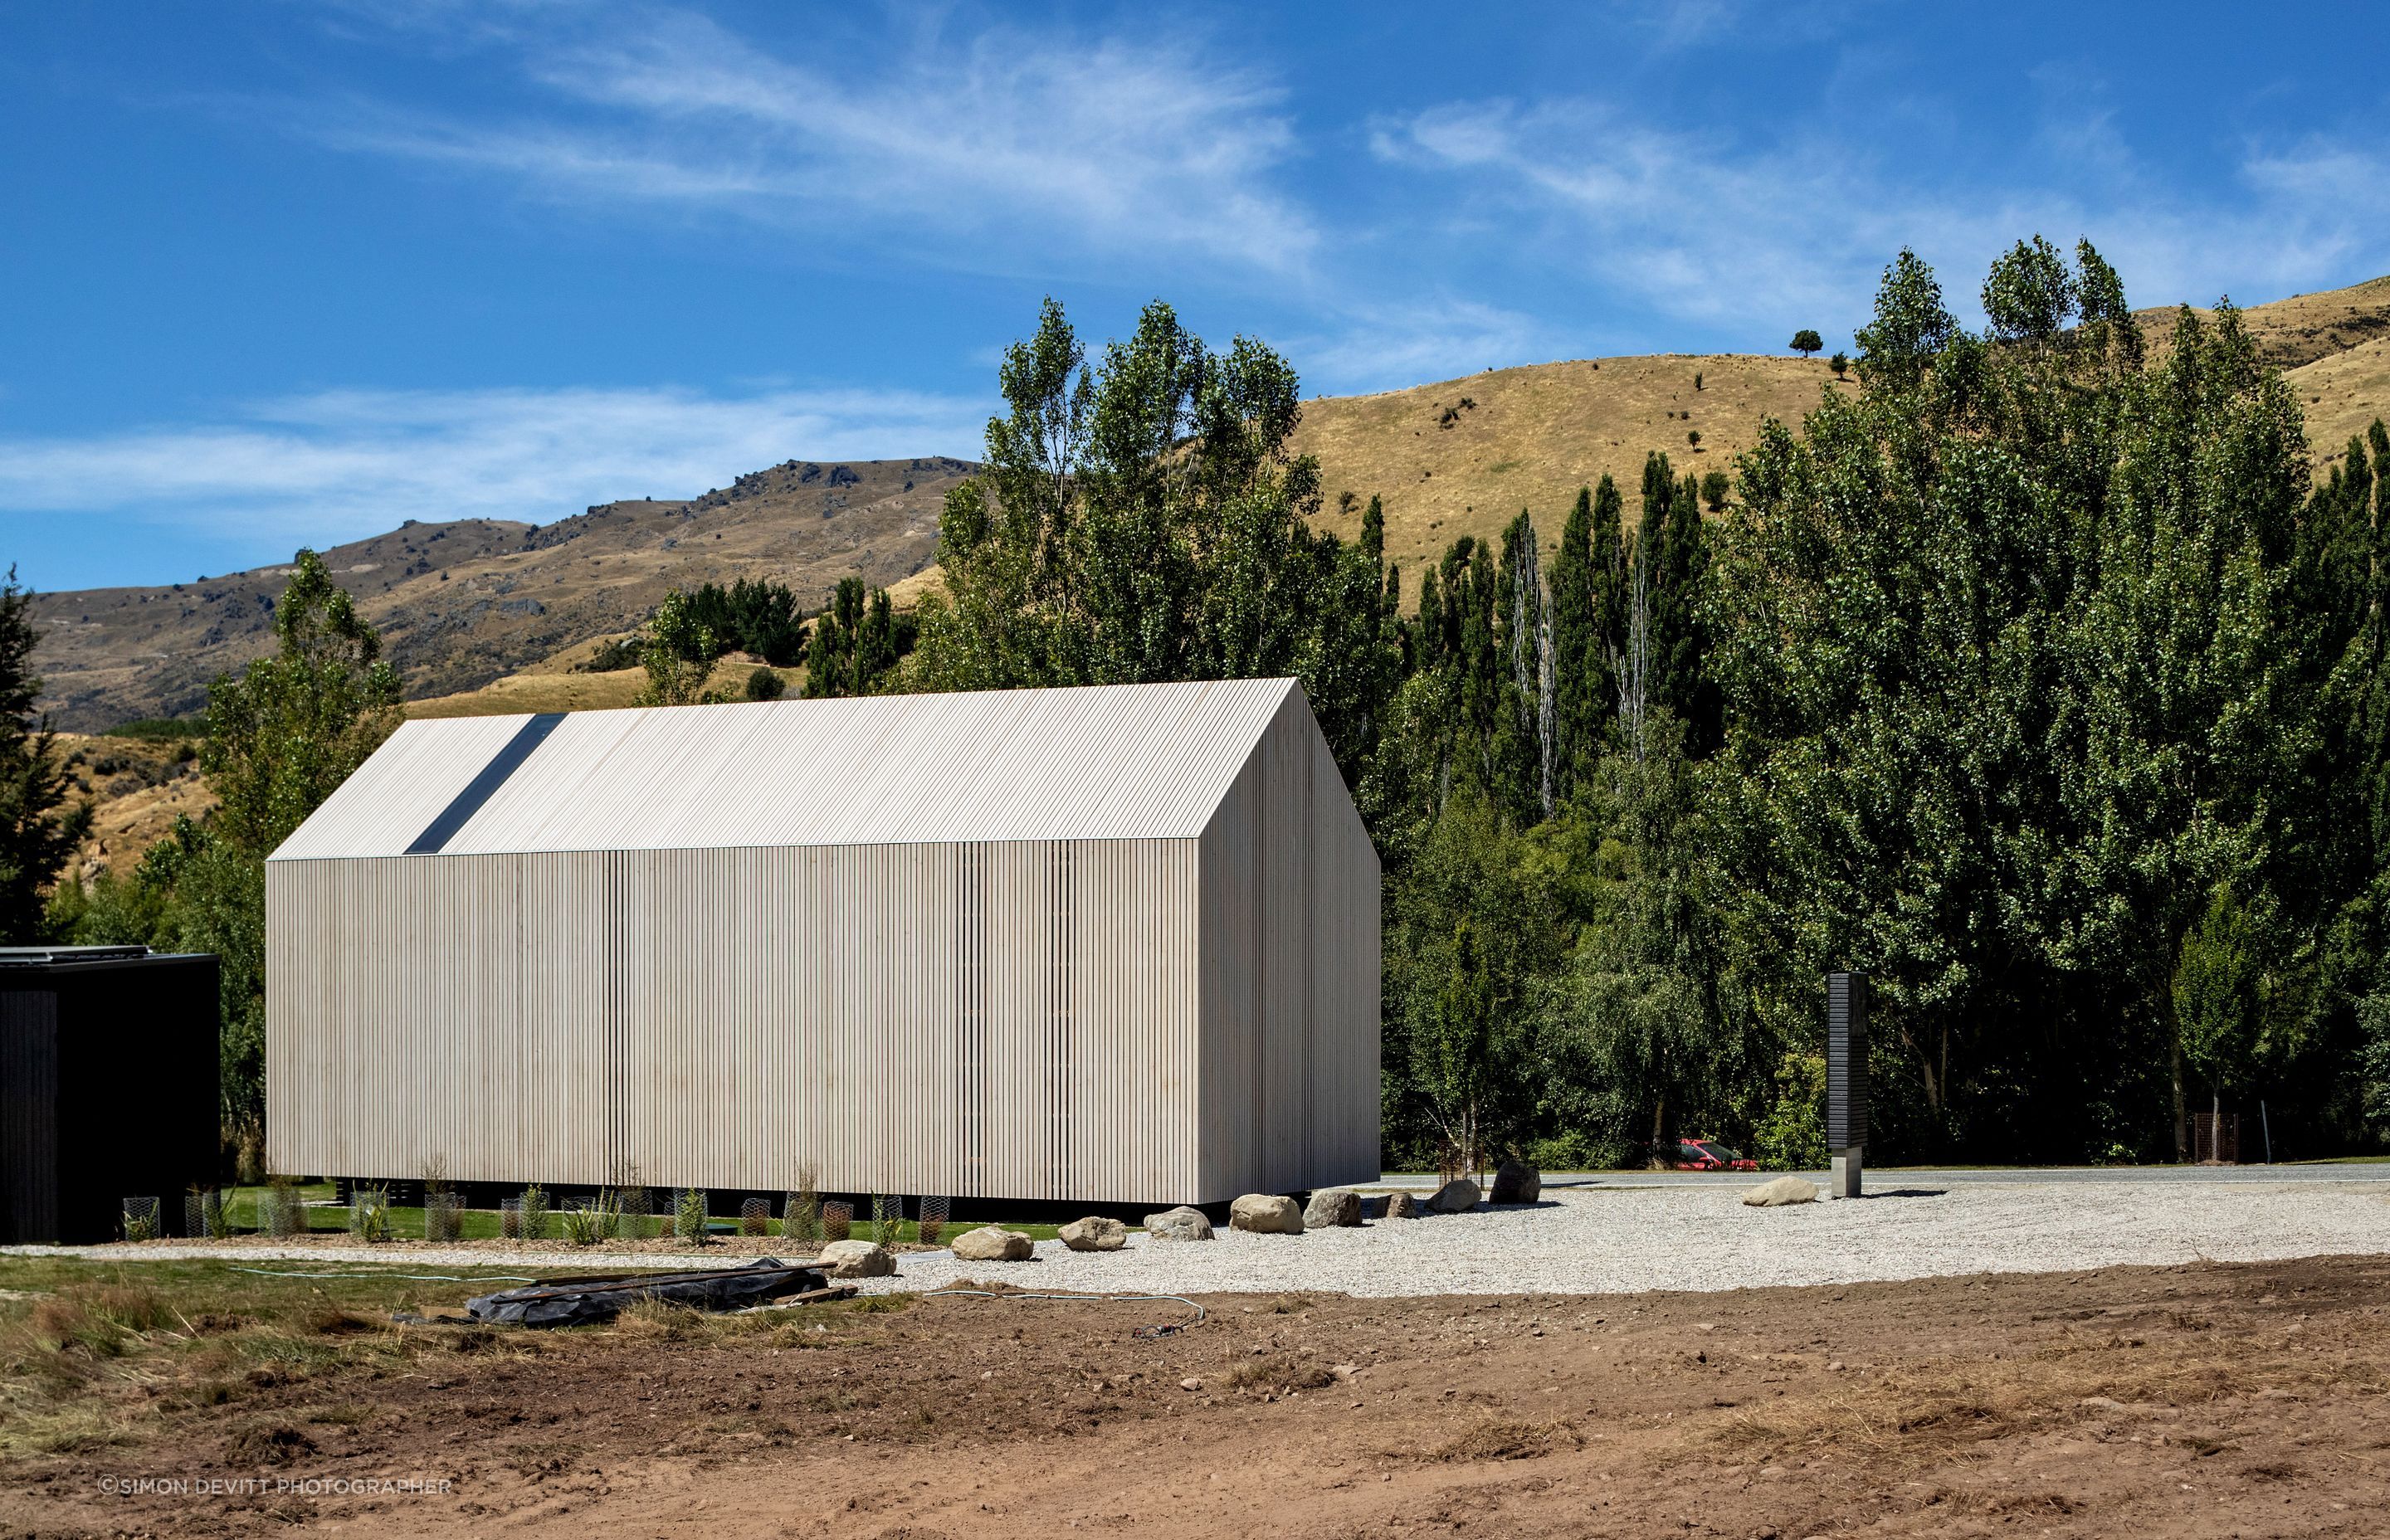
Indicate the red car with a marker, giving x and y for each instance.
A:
(1710, 1155)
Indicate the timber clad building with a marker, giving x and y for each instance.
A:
(1117, 944)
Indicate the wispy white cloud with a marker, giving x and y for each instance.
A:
(1389, 347)
(1731, 233)
(1002, 148)
(337, 464)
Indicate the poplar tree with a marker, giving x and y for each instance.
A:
(281, 736)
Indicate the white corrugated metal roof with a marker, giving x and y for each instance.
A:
(1112, 762)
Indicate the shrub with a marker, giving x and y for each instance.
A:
(283, 1214)
(634, 1205)
(535, 1213)
(801, 1216)
(443, 1217)
(613, 657)
(370, 1213)
(689, 1217)
(887, 1218)
(1715, 487)
(1693, 437)
(766, 684)
(141, 1219)
(588, 1223)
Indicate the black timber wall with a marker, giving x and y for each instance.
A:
(107, 1091)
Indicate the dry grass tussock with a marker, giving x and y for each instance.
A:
(1280, 1373)
(1502, 1438)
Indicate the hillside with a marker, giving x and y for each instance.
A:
(485, 615)
(2341, 395)
(460, 604)
(1464, 457)
(2302, 328)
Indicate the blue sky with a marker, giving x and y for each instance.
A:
(284, 273)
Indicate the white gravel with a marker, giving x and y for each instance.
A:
(1627, 1240)
(1619, 1240)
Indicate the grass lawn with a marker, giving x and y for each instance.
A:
(245, 1210)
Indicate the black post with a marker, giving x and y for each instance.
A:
(1846, 1097)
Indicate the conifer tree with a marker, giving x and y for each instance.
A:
(1580, 663)
(38, 832)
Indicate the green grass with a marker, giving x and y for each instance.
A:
(158, 729)
(245, 1210)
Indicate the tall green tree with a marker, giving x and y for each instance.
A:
(38, 830)
(678, 649)
(1994, 641)
(282, 735)
(1146, 519)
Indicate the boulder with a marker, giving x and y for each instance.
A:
(857, 1258)
(1265, 1213)
(1401, 1205)
(1330, 1207)
(1781, 1191)
(1458, 1196)
(1094, 1233)
(1179, 1224)
(990, 1244)
(1518, 1182)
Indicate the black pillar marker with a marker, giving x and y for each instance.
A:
(1846, 1099)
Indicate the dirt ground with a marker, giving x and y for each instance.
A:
(2211, 1400)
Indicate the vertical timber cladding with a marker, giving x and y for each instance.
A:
(1006, 1020)
(1111, 944)
(28, 1115)
(722, 1018)
(1074, 1023)
(1290, 974)
(1847, 1057)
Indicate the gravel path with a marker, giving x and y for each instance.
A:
(1619, 1240)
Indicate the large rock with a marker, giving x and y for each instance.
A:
(857, 1258)
(1401, 1205)
(1179, 1224)
(1094, 1233)
(1518, 1182)
(990, 1244)
(1458, 1196)
(1265, 1213)
(1330, 1207)
(1781, 1191)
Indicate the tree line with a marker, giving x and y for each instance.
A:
(2030, 677)
(2035, 676)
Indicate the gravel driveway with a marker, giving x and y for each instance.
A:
(1630, 1240)
(1619, 1240)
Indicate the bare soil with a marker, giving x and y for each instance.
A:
(2201, 1400)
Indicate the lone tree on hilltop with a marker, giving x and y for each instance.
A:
(1806, 342)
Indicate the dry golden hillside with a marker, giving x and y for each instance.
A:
(2342, 396)
(1464, 457)
(2304, 327)
(137, 788)
(559, 683)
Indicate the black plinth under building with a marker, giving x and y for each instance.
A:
(107, 1086)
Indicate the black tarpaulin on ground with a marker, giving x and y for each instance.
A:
(585, 1301)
